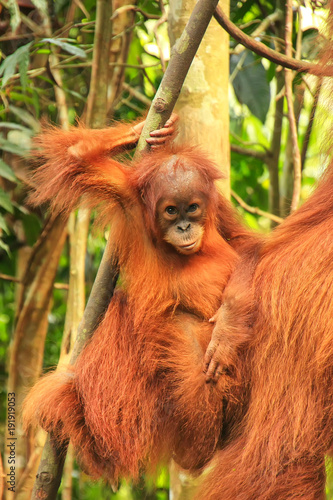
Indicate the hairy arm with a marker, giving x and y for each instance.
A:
(79, 163)
(72, 164)
(234, 319)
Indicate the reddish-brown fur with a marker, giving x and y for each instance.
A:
(277, 424)
(137, 394)
(278, 450)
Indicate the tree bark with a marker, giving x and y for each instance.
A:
(203, 105)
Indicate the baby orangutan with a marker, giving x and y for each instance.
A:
(137, 394)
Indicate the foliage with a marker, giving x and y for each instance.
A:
(33, 56)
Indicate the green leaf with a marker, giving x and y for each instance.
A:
(25, 117)
(23, 65)
(20, 139)
(14, 11)
(5, 201)
(3, 224)
(6, 172)
(239, 10)
(67, 47)
(250, 83)
(10, 147)
(7, 68)
(19, 58)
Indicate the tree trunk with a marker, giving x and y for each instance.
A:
(203, 105)
(26, 354)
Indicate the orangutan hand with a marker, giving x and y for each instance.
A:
(218, 352)
(161, 136)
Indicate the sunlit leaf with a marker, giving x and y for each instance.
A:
(67, 47)
(5, 201)
(41, 5)
(20, 139)
(25, 117)
(16, 126)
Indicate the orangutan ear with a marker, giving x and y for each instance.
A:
(143, 197)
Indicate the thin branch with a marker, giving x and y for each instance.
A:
(149, 80)
(32, 73)
(82, 8)
(88, 64)
(263, 26)
(134, 8)
(161, 21)
(264, 51)
(127, 102)
(102, 291)
(34, 457)
(182, 57)
(259, 155)
(291, 113)
(255, 210)
(135, 93)
(7, 277)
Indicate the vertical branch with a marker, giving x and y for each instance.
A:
(180, 62)
(52, 461)
(273, 159)
(308, 131)
(291, 114)
(96, 104)
(26, 353)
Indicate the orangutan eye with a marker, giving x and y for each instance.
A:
(193, 208)
(171, 210)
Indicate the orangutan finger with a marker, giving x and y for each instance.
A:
(211, 370)
(209, 354)
(156, 140)
(219, 371)
(173, 119)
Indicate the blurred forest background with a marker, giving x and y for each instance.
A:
(101, 61)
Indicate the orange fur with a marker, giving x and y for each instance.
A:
(276, 448)
(277, 451)
(137, 394)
